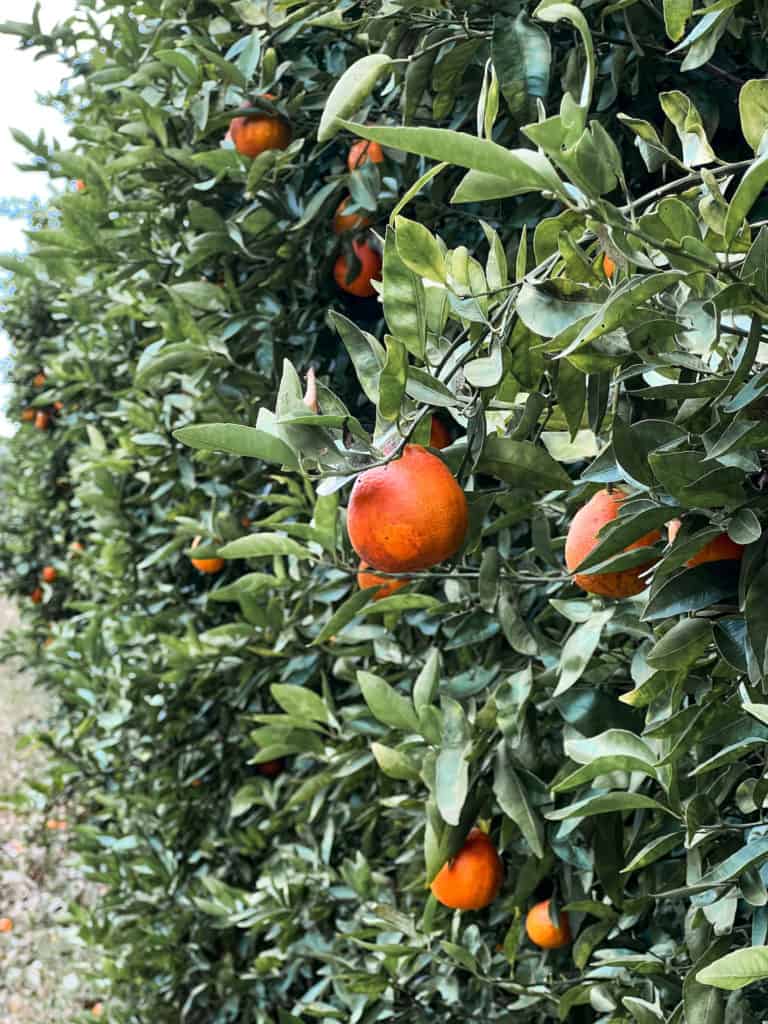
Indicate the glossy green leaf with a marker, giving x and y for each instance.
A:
(350, 92)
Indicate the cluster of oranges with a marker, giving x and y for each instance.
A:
(472, 880)
(583, 537)
(49, 575)
(255, 134)
(41, 417)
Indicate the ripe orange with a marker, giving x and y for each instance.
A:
(439, 434)
(370, 267)
(361, 152)
(245, 522)
(583, 538)
(97, 1009)
(58, 406)
(388, 584)
(56, 825)
(36, 596)
(410, 514)
(271, 769)
(39, 380)
(209, 566)
(76, 547)
(543, 932)
(473, 878)
(719, 549)
(609, 266)
(256, 134)
(80, 185)
(28, 415)
(6, 924)
(50, 574)
(42, 420)
(343, 222)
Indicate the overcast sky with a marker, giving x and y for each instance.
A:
(21, 80)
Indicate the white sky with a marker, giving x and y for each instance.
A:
(21, 80)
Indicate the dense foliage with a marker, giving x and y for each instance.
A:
(174, 304)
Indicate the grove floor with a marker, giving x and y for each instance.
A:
(43, 964)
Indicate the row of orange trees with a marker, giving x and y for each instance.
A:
(443, 291)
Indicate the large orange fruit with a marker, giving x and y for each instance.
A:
(370, 267)
(439, 434)
(361, 152)
(6, 924)
(583, 538)
(388, 584)
(719, 549)
(473, 878)
(410, 514)
(28, 415)
(256, 134)
(543, 932)
(343, 222)
(42, 420)
(49, 574)
(209, 566)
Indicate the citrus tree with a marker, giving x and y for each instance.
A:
(388, 505)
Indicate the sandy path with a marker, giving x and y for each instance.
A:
(43, 964)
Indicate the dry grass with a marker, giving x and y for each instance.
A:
(43, 963)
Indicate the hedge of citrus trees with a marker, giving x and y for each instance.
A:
(387, 505)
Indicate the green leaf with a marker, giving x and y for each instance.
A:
(509, 791)
(366, 352)
(579, 649)
(526, 169)
(745, 197)
(676, 15)
(654, 850)
(615, 750)
(693, 589)
(607, 803)
(208, 297)
(522, 464)
(394, 763)
(753, 111)
(344, 614)
(736, 970)
(245, 798)
(350, 92)
(264, 545)
(403, 298)
(428, 680)
(419, 250)
(682, 645)
(452, 767)
(522, 56)
(392, 378)
(299, 702)
(386, 704)
(689, 127)
(237, 440)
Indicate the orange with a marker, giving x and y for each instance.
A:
(80, 185)
(209, 566)
(409, 514)
(343, 222)
(42, 420)
(719, 549)
(76, 547)
(370, 267)
(39, 380)
(473, 878)
(28, 415)
(388, 584)
(6, 924)
(58, 406)
(543, 932)
(361, 152)
(271, 768)
(36, 596)
(609, 266)
(196, 783)
(97, 1009)
(583, 538)
(256, 134)
(50, 574)
(439, 434)
(245, 522)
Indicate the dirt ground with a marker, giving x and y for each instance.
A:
(44, 966)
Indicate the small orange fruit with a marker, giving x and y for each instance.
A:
(196, 783)
(58, 406)
(36, 596)
(609, 266)
(719, 549)
(439, 434)
(257, 133)
(388, 584)
(209, 566)
(583, 538)
(245, 522)
(42, 420)
(271, 768)
(370, 267)
(48, 641)
(473, 878)
(343, 222)
(97, 1009)
(76, 547)
(543, 932)
(39, 380)
(28, 415)
(50, 574)
(361, 152)
(6, 924)
(410, 514)
(80, 185)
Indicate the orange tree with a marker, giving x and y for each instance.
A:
(272, 765)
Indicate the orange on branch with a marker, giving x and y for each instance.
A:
(370, 267)
(473, 878)
(28, 415)
(208, 566)
(39, 380)
(542, 930)
(388, 584)
(42, 420)
(583, 538)
(257, 133)
(439, 434)
(6, 924)
(719, 549)
(344, 222)
(361, 152)
(50, 574)
(410, 514)
(609, 266)
(36, 596)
